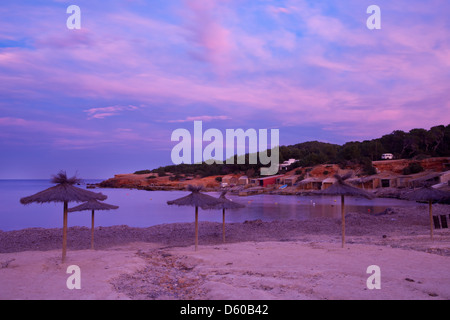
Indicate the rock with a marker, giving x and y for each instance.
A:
(387, 211)
(6, 263)
(257, 221)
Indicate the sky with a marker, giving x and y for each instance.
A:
(104, 99)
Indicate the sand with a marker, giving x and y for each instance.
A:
(261, 260)
(41, 275)
(318, 270)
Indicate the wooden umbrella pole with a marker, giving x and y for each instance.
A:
(431, 219)
(196, 228)
(64, 232)
(343, 220)
(92, 231)
(223, 225)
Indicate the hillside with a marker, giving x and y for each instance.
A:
(152, 182)
(417, 144)
(416, 151)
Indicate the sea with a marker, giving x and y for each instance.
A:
(140, 208)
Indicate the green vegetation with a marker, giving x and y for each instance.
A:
(143, 172)
(412, 168)
(415, 144)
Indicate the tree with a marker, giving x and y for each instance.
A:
(412, 168)
(250, 173)
(350, 151)
(415, 143)
(393, 143)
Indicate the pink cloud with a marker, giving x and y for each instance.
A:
(212, 38)
(66, 40)
(101, 113)
(48, 127)
(277, 10)
(201, 118)
(132, 58)
(70, 137)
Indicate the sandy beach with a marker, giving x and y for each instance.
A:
(260, 260)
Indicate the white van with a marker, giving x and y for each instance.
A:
(387, 156)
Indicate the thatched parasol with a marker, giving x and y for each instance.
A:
(226, 204)
(65, 192)
(340, 188)
(93, 205)
(430, 195)
(196, 199)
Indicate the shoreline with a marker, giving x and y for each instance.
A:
(387, 193)
(390, 179)
(399, 223)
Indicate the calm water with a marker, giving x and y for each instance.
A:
(140, 208)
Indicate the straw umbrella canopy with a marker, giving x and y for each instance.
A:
(196, 199)
(226, 204)
(341, 188)
(93, 205)
(65, 192)
(429, 195)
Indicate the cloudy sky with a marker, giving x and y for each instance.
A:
(105, 99)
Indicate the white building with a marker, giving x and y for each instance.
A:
(286, 164)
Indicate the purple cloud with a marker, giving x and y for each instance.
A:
(200, 118)
(293, 65)
(101, 113)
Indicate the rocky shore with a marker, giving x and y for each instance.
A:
(153, 182)
(360, 228)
